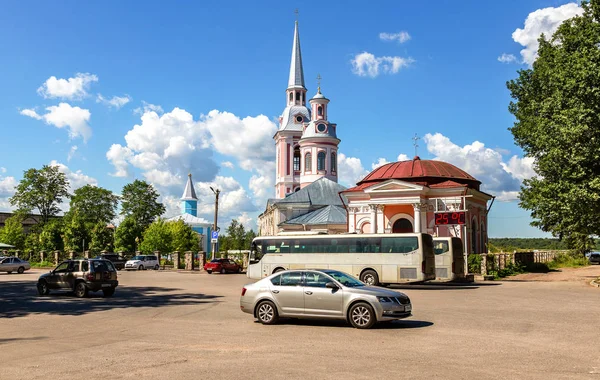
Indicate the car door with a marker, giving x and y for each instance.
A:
(68, 279)
(8, 265)
(231, 266)
(4, 265)
(288, 293)
(55, 278)
(320, 300)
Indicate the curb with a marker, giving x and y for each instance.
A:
(595, 284)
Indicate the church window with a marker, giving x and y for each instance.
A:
(297, 159)
(287, 166)
(321, 161)
(307, 162)
(333, 163)
(291, 97)
(299, 119)
(297, 96)
(320, 111)
(321, 128)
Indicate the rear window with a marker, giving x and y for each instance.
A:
(440, 247)
(216, 261)
(102, 266)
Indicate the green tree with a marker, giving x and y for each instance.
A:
(94, 204)
(139, 200)
(557, 109)
(101, 238)
(42, 189)
(126, 234)
(76, 234)
(157, 237)
(183, 238)
(237, 234)
(12, 233)
(51, 236)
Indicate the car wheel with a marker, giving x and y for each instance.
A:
(223, 271)
(81, 290)
(239, 270)
(370, 277)
(266, 312)
(141, 267)
(156, 267)
(108, 292)
(209, 271)
(362, 316)
(42, 288)
(20, 270)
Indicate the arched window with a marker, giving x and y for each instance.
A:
(320, 110)
(321, 161)
(402, 226)
(297, 159)
(307, 162)
(291, 97)
(333, 163)
(297, 96)
(474, 236)
(482, 242)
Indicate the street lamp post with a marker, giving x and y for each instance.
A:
(216, 228)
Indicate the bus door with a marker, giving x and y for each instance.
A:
(443, 259)
(458, 258)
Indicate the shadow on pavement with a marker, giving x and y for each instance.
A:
(397, 324)
(11, 340)
(19, 299)
(444, 286)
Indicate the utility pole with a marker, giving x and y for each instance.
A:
(215, 245)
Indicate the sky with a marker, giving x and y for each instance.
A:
(114, 91)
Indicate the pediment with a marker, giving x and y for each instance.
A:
(393, 185)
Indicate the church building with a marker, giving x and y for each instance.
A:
(306, 146)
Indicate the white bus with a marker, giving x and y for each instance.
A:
(373, 258)
(449, 258)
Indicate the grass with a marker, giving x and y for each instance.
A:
(42, 264)
(563, 260)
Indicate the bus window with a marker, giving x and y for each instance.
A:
(256, 251)
(440, 247)
(399, 244)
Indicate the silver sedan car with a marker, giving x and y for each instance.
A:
(13, 264)
(322, 294)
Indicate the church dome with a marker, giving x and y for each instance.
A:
(424, 172)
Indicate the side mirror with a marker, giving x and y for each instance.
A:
(331, 285)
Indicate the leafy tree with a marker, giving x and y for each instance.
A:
(94, 204)
(43, 190)
(76, 234)
(126, 234)
(101, 238)
(139, 200)
(12, 233)
(157, 237)
(557, 110)
(50, 237)
(183, 238)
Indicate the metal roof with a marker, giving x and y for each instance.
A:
(189, 194)
(296, 71)
(322, 192)
(322, 216)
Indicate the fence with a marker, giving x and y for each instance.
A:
(492, 262)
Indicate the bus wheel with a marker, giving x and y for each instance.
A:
(370, 277)
(278, 270)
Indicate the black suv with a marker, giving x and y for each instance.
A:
(80, 276)
(118, 261)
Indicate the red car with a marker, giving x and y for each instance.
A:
(222, 266)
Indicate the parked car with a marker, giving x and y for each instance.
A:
(222, 266)
(594, 258)
(143, 262)
(118, 261)
(80, 276)
(322, 294)
(13, 264)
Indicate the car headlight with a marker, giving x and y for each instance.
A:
(384, 299)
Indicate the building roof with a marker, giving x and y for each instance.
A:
(296, 71)
(429, 172)
(288, 118)
(323, 216)
(189, 194)
(322, 192)
(191, 220)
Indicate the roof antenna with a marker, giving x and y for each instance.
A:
(416, 143)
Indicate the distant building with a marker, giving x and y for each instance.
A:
(189, 214)
(30, 221)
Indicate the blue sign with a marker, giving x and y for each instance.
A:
(214, 234)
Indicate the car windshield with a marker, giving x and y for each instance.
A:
(138, 258)
(344, 279)
(216, 261)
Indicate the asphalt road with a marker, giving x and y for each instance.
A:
(168, 325)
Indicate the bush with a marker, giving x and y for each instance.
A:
(43, 264)
(565, 260)
(474, 263)
(510, 270)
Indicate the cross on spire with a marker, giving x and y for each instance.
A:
(416, 143)
(296, 12)
(319, 83)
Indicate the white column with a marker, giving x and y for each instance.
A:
(351, 219)
(417, 226)
(373, 218)
(380, 223)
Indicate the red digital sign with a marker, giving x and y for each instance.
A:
(448, 218)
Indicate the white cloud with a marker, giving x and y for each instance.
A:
(233, 198)
(366, 64)
(116, 101)
(403, 157)
(7, 190)
(227, 164)
(72, 88)
(546, 21)
(351, 170)
(76, 178)
(119, 157)
(75, 119)
(163, 178)
(262, 187)
(72, 152)
(380, 162)
(485, 164)
(507, 58)
(147, 107)
(2, 170)
(31, 113)
(401, 37)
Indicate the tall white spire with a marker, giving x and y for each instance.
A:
(296, 70)
(189, 193)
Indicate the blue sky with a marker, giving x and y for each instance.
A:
(199, 87)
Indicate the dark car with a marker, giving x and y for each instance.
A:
(118, 261)
(80, 276)
(222, 266)
(594, 258)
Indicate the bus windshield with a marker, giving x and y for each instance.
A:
(255, 251)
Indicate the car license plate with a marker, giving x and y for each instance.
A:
(106, 285)
(408, 308)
